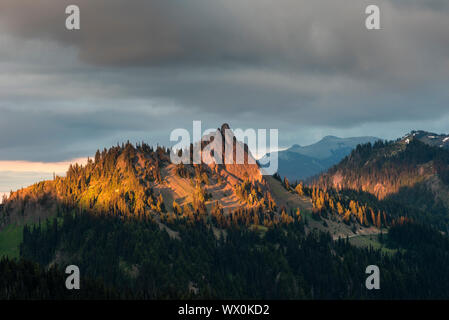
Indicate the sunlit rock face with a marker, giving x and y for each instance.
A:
(232, 159)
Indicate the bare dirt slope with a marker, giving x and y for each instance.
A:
(180, 189)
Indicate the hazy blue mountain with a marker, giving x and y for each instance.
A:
(302, 162)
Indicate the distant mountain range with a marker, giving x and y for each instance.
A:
(302, 162)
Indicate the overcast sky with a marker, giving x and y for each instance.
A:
(138, 69)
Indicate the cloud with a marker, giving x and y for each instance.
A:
(39, 167)
(18, 174)
(323, 36)
(138, 69)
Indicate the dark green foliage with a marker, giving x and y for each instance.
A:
(25, 280)
(138, 256)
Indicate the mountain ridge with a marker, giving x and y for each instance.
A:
(412, 171)
(140, 181)
(430, 138)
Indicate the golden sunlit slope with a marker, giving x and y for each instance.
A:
(174, 187)
(138, 180)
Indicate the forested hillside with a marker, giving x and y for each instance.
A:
(25, 280)
(407, 174)
(282, 263)
(142, 227)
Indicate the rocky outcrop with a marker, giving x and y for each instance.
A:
(232, 159)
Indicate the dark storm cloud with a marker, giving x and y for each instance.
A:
(55, 133)
(323, 35)
(138, 69)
